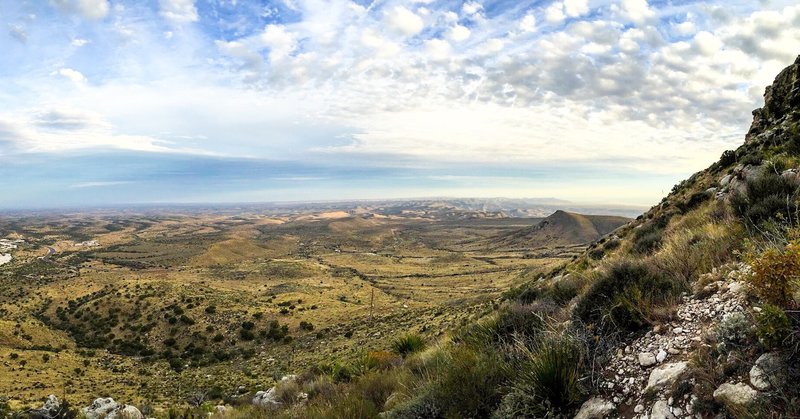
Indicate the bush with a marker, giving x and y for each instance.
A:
(647, 238)
(376, 387)
(548, 380)
(408, 344)
(735, 330)
(512, 321)
(776, 274)
(467, 384)
(625, 296)
(772, 326)
(766, 197)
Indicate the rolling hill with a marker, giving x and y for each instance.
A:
(559, 229)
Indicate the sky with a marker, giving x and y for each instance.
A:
(111, 102)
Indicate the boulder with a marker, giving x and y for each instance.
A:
(647, 359)
(595, 408)
(50, 409)
(266, 398)
(766, 371)
(661, 411)
(107, 408)
(735, 395)
(665, 376)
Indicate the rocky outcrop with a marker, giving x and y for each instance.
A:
(595, 408)
(781, 98)
(107, 408)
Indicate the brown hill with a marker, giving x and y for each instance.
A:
(558, 229)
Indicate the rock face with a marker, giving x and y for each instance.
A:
(735, 394)
(595, 408)
(665, 376)
(107, 408)
(783, 95)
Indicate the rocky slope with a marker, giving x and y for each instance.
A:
(649, 376)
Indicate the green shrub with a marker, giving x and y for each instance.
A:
(548, 379)
(772, 326)
(469, 384)
(408, 344)
(766, 197)
(376, 387)
(647, 238)
(625, 296)
(776, 274)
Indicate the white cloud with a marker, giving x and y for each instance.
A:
(280, 41)
(554, 14)
(90, 9)
(576, 8)
(458, 33)
(178, 11)
(707, 43)
(637, 10)
(685, 28)
(472, 7)
(79, 42)
(528, 23)
(73, 75)
(437, 49)
(404, 21)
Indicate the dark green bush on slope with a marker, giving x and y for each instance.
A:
(624, 297)
(768, 196)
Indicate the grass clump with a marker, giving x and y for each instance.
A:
(626, 296)
(408, 344)
(548, 379)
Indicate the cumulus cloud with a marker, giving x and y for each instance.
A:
(636, 11)
(458, 33)
(90, 9)
(528, 23)
(404, 21)
(178, 11)
(575, 8)
(613, 81)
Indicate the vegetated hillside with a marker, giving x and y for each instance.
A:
(558, 229)
(691, 310)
